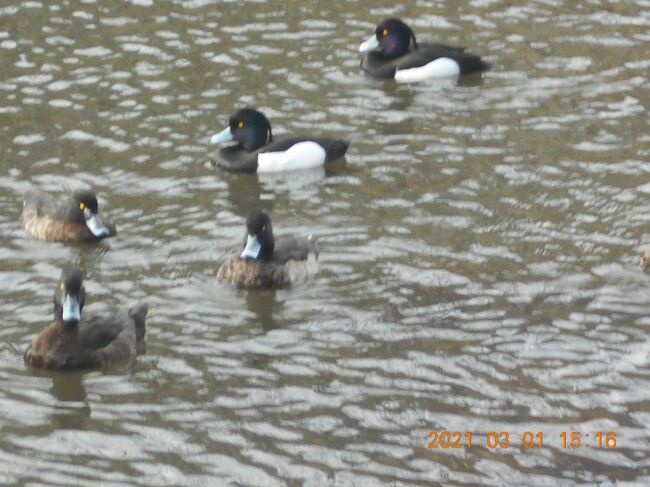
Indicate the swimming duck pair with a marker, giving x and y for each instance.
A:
(70, 342)
(262, 262)
(392, 52)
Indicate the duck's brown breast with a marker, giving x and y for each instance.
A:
(94, 343)
(59, 348)
(251, 274)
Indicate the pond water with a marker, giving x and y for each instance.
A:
(479, 245)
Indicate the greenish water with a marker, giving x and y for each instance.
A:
(479, 245)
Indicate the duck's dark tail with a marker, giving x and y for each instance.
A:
(470, 63)
(139, 315)
(36, 200)
(312, 240)
(335, 149)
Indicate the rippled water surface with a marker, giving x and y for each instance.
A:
(479, 245)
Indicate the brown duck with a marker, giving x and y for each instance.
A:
(75, 343)
(264, 263)
(75, 219)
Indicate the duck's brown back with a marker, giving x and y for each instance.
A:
(52, 229)
(46, 220)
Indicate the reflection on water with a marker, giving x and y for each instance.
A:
(74, 412)
(265, 306)
(479, 245)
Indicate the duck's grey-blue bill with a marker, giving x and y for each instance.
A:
(369, 45)
(71, 310)
(252, 249)
(224, 136)
(95, 225)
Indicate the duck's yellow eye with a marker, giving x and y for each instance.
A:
(384, 32)
(62, 287)
(263, 228)
(240, 124)
(81, 206)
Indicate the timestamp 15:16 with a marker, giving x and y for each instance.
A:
(529, 439)
(575, 439)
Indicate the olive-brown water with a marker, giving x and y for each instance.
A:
(479, 245)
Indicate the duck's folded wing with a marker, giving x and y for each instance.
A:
(113, 338)
(427, 53)
(292, 248)
(120, 349)
(99, 331)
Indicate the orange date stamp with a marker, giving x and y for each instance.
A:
(529, 439)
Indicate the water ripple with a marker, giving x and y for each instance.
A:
(478, 250)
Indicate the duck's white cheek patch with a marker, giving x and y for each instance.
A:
(440, 68)
(302, 155)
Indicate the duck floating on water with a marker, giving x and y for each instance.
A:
(256, 150)
(76, 342)
(264, 262)
(394, 52)
(73, 219)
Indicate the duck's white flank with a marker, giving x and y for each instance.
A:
(302, 155)
(440, 68)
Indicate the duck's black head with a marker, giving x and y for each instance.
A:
(392, 37)
(259, 241)
(69, 296)
(85, 209)
(248, 127)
